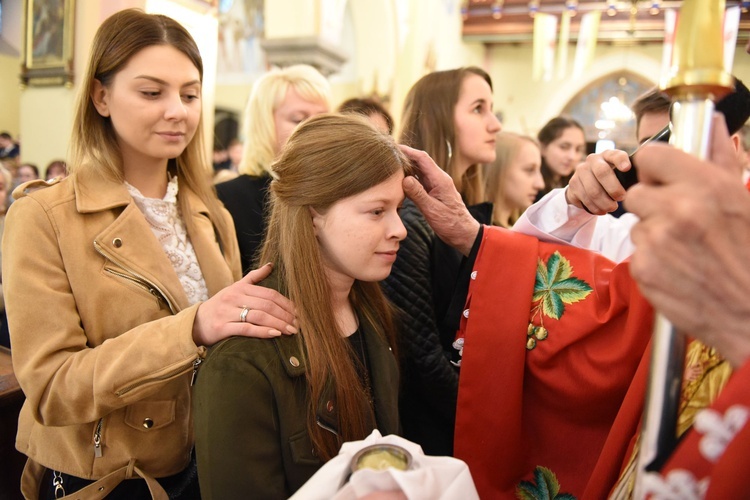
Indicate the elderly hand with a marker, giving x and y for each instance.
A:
(440, 203)
(594, 185)
(693, 242)
(244, 309)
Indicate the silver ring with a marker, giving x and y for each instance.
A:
(243, 314)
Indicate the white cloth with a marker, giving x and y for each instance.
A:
(164, 218)
(433, 478)
(551, 219)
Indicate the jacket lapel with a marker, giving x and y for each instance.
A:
(126, 243)
(129, 242)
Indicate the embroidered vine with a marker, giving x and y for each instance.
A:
(555, 286)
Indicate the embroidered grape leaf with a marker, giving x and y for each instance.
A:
(543, 487)
(555, 286)
(558, 268)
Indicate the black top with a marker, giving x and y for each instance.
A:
(428, 283)
(246, 198)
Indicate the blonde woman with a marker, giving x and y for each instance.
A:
(514, 179)
(280, 100)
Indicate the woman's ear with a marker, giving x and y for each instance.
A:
(100, 97)
(317, 220)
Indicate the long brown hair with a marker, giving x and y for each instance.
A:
(428, 124)
(93, 147)
(329, 157)
(552, 130)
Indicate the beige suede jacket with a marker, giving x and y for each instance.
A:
(102, 330)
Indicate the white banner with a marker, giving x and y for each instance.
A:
(588, 35)
(731, 27)
(562, 45)
(545, 37)
(332, 20)
(670, 26)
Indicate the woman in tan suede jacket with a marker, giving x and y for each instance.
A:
(108, 275)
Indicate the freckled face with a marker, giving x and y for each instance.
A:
(359, 235)
(154, 105)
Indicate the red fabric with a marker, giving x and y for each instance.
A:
(728, 475)
(552, 406)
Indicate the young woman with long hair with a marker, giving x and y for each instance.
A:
(449, 115)
(563, 147)
(119, 276)
(514, 179)
(270, 413)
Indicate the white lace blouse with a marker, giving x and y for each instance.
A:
(167, 225)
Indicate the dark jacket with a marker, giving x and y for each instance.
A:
(426, 284)
(246, 198)
(251, 414)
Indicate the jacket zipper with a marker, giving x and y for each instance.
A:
(160, 295)
(136, 278)
(169, 375)
(98, 439)
(324, 426)
(138, 282)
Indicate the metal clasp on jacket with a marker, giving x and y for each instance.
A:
(98, 439)
(57, 482)
(196, 364)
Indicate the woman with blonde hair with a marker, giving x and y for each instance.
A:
(269, 414)
(448, 114)
(514, 179)
(280, 100)
(119, 277)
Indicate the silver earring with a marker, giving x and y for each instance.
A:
(450, 151)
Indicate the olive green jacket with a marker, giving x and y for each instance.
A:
(250, 405)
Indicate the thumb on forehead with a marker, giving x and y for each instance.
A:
(413, 189)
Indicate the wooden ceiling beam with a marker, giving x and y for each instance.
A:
(517, 26)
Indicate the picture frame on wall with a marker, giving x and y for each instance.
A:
(47, 42)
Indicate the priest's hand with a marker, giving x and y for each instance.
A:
(436, 197)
